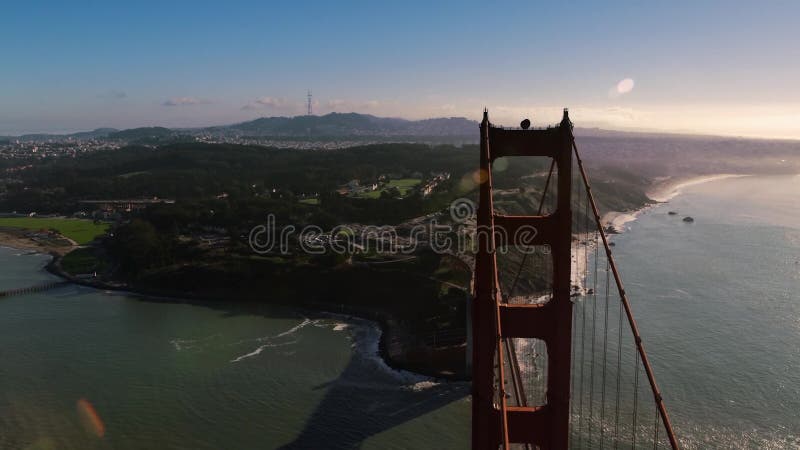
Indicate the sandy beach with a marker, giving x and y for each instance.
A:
(581, 254)
(18, 240)
(618, 220)
(667, 189)
(662, 191)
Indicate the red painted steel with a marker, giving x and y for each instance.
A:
(495, 323)
(494, 423)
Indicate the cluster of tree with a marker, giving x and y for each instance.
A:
(198, 172)
(138, 246)
(257, 181)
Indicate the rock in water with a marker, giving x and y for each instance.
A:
(688, 219)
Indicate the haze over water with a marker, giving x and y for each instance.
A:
(716, 301)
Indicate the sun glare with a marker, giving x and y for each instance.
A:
(625, 86)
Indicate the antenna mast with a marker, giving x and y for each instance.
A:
(309, 103)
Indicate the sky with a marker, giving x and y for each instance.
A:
(727, 68)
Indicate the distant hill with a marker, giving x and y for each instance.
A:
(354, 127)
(350, 124)
(333, 126)
(135, 134)
(94, 134)
(328, 126)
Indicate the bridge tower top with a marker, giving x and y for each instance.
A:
(502, 413)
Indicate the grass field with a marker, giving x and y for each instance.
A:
(81, 231)
(310, 201)
(370, 194)
(405, 185)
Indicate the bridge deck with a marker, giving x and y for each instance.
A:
(32, 289)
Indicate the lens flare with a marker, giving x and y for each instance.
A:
(500, 164)
(466, 184)
(90, 419)
(43, 443)
(625, 86)
(480, 176)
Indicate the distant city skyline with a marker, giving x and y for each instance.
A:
(725, 68)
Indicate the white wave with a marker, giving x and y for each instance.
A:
(366, 336)
(261, 349)
(186, 344)
(270, 339)
(421, 385)
(306, 321)
(682, 293)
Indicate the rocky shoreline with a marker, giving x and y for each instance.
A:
(387, 348)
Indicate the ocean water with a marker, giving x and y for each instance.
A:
(718, 305)
(716, 300)
(180, 376)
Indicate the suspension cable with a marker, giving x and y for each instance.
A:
(501, 368)
(605, 354)
(594, 322)
(619, 372)
(539, 213)
(583, 351)
(572, 364)
(635, 401)
(626, 304)
(655, 429)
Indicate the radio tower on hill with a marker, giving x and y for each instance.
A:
(309, 103)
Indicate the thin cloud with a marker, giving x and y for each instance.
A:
(349, 105)
(113, 94)
(184, 101)
(266, 102)
(271, 102)
(336, 103)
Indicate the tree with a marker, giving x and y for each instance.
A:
(137, 246)
(392, 192)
